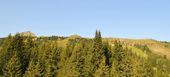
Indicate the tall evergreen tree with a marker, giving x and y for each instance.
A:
(34, 70)
(87, 67)
(4, 56)
(107, 53)
(122, 60)
(103, 70)
(51, 60)
(30, 49)
(13, 67)
(97, 50)
(17, 46)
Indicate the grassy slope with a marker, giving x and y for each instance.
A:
(156, 47)
(138, 52)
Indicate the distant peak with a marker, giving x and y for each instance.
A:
(27, 33)
(74, 36)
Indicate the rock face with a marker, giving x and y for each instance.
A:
(28, 34)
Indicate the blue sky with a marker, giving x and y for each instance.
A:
(115, 18)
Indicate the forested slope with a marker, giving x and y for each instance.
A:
(25, 55)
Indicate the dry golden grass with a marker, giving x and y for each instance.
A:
(156, 47)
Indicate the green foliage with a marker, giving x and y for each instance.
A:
(34, 70)
(13, 67)
(122, 60)
(4, 57)
(144, 48)
(139, 52)
(97, 52)
(103, 70)
(28, 56)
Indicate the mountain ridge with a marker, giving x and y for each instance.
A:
(161, 48)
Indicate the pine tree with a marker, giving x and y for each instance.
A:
(103, 70)
(17, 46)
(122, 60)
(4, 57)
(51, 60)
(50, 68)
(69, 69)
(107, 53)
(87, 67)
(97, 50)
(98, 41)
(73, 64)
(34, 70)
(13, 67)
(30, 49)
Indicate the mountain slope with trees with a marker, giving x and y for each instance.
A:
(25, 55)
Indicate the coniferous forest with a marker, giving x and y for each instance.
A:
(26, 55)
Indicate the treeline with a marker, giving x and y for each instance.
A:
(25, 56)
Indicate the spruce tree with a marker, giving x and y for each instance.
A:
(34, 70)
(122, 60)
(107, 53)
(17, 46)
(87, 69)
(51, 60)
(13, 67)
(30, 49)
(97, 50)
(103, 70)
(4, 56)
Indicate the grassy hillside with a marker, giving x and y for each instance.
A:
(157, 47)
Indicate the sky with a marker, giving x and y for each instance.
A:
(138, 19)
